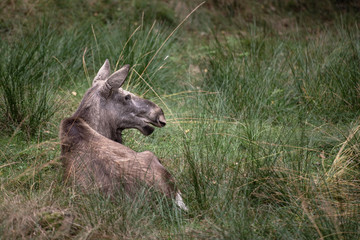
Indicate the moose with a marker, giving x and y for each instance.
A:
(92, 152)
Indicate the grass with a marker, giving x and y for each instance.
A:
(263, 124)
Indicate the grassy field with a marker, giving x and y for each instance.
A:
(262, 101)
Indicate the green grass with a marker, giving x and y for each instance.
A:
(263, 124)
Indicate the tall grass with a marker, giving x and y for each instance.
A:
(33, 70)
(135, 45)
(260, 161)
(26, 85)
(262, 136)
(254, 188)
(278, 77)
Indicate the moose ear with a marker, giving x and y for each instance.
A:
(117, 79)
(103, 73)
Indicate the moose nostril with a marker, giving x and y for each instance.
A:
(162, 121)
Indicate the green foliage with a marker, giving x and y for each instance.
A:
(266, 77)
(30, 77)
(32, 70)
(137, 46)
(328, 81)
(26, 85)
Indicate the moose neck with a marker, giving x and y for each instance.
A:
(105, 128)
(98, 121)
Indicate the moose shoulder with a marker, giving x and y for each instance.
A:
(91, 149)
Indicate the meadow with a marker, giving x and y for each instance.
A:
(262, 101)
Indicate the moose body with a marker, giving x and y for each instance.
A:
(91, 142)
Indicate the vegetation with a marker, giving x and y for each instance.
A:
(262, 101)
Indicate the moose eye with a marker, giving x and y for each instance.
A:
(128, 97)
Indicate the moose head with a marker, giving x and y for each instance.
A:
(109, 109)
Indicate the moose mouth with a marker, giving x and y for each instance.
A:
(148, 129)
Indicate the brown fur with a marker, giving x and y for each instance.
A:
(93, 161)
